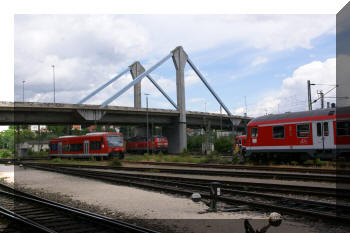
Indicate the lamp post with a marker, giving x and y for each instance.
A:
(54, 86)
(23, 90)
(147, 121)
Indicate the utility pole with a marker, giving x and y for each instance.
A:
(245, 104)
(309, 94)
(23, 90)
(147, 121)
(322, 99)
(220, 118)
(54, 86)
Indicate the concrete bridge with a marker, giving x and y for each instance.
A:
(63, 114)
(174, 122)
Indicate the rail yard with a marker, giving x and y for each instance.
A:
(318, 196)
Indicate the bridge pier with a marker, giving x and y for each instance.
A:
(136, 69)
(176, 133)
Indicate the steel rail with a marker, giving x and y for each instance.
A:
(23, 220)
(218, 172)
(120, 226)
(310, 207)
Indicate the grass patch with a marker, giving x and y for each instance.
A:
(116, 162)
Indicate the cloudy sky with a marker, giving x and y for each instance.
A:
(266, 59)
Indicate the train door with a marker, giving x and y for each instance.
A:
(86, 147)
(59, 148)
(322, 132)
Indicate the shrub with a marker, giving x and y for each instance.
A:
(235, 159)
(223, 145)
(294, 163)
(116, 162)
(160, 153)
(5, 153)
(57, 160)
(309, 162)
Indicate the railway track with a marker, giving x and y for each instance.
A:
(338, 171)
(185, 186)
(35, 214)
(218, 172)
(310, 170)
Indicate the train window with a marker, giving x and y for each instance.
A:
(319, 129)
(303, 131)
(343, 128)
(114, 140)
(254, 132)
(76, 147)
(53, 147)
(278, 132)
(325, 128)
(95, 145)
(65, 147)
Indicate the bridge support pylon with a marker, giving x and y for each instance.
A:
(177, 133)
(136, 69)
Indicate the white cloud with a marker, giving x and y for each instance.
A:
(196, 100)
(191, 78)
(259, 61)
(88, 50)
(292, 95)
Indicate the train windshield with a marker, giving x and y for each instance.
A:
(114, 140)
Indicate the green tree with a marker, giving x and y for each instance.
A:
(223, 145)
(194, 143)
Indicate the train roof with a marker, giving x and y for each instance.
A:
(303, 114)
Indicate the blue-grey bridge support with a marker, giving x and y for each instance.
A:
(136, 69)
(177, 132)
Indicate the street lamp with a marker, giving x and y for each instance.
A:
(23, 90)
(147, 121)
(54, 88)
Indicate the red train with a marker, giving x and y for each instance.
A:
(323, 133)
(90, 145)
(155, 144)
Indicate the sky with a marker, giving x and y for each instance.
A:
(265, 59)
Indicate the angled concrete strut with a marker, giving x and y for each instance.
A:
(103, 86)
(136, 80)
(162, 91)
(210, 89)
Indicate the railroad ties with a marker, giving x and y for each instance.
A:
(232, 193)
(28, 213)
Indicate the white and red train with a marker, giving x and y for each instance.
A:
(322, 133)
(103, 145)
(90, 145)
(155, 144)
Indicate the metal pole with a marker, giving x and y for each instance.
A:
(54, 85)
(220, 118)
(136, 80)
(23, 90)
(309, 95)
(322, 99)
(147, 122)
(104, 86)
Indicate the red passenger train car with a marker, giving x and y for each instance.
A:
(322, 133)
(139, 144)
(89, 145)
